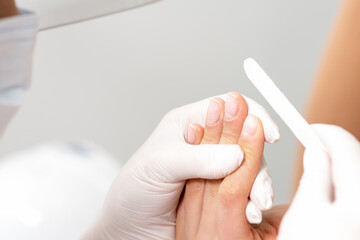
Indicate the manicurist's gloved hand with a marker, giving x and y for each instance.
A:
(143, 199)
(326, 205)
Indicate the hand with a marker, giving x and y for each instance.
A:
(326, 205)
(222, 209)
(7, 8)
(142, 201)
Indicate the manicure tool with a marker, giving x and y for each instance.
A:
(282, 106)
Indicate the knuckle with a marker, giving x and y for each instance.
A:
(226, 198)
(228, 193)
(229, 136)
(212, 188)
(195, 186)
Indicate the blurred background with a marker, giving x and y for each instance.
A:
(110, 80)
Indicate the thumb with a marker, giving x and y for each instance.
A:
(315, 184)
(207, 161)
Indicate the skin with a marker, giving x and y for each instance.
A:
(215, 209)
(8, 8)
(336, 86)
(335, 97)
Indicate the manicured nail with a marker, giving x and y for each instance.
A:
(213, 112)
(250, 126)
(191, 135)
(231, 106)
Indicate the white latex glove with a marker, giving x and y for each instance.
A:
(326, 205)
(143, 199)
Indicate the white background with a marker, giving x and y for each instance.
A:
(111, 79)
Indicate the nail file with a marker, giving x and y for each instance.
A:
(297, 124)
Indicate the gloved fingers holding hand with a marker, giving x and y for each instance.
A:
(143, 199)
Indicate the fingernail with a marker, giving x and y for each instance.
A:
(191, 135)
(231, 106)
(250, 126)
(213, 113)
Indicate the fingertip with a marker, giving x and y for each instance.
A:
(263, 200)
(191, 134)
(250, 127)
(272, 135)
(200, 134)
(214, 121)
(195, 134)
(271, 130)
(215, 111)
(267, 202)
(240, 101)
(262, 192)
(252, 130)
(253, 214)
(232, 158)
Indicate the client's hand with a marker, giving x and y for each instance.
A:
(219, 209)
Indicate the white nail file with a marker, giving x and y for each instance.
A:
(297, 124)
